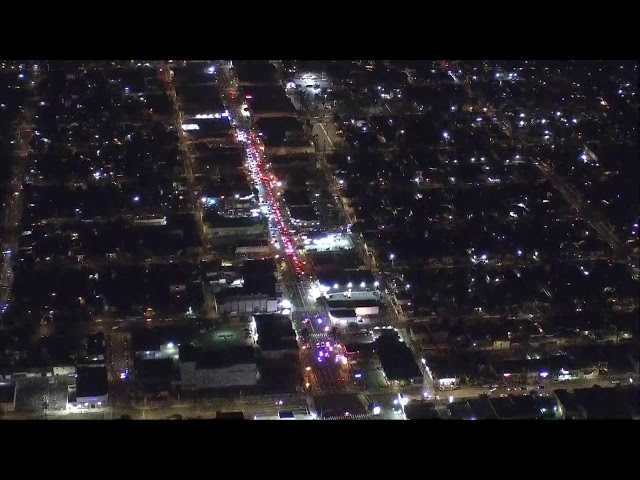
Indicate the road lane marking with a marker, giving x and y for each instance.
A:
(326, 134)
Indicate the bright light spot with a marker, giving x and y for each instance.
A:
(376, 410)
(170, 345)
(136, 199)
(363, 284)
(286, 304)
(544, 374)
(450, 398)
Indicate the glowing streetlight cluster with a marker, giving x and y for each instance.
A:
(251, 145)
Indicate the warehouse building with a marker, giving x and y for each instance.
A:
(213, 368)
(8, 393)
(91, 389)
(275, 336)
(397, 360)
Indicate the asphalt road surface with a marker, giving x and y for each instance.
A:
(325, 376)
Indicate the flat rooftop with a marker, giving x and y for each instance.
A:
(396, 359)
(342, 312)
(210, 358)
(255, 71)
(421, 411)
(275, 332)
(200, 98)
(355, 278)
(157, 369)
(304, 213)
(7, 392)
(265, 99)
(91, 382)
(329, 242)
(332, 260)
(372, 297)
(229, 415)
(339, 405)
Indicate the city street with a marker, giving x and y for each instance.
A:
(14, 204)
(120, 367)
(327, 375)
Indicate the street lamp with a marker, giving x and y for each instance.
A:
(392, 256)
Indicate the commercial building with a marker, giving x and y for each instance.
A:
(200, 101)
(229, 415)
(202, 368)
(620, 402)
(256, 292)
(349, 281)
(217, 226)
(267, 101)
(64, 370)
(275, 336)
(237, 301)
(344, 316)
(397, 359)
(340, 406)
(91, 389)
(8, 393)
(304, 217)
(254, 72)
(364, 303)
(329, 242)
(256, 248)
(287, 415)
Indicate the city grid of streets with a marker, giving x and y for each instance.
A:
(322, 362)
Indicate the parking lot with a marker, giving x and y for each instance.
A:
(33, 394)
